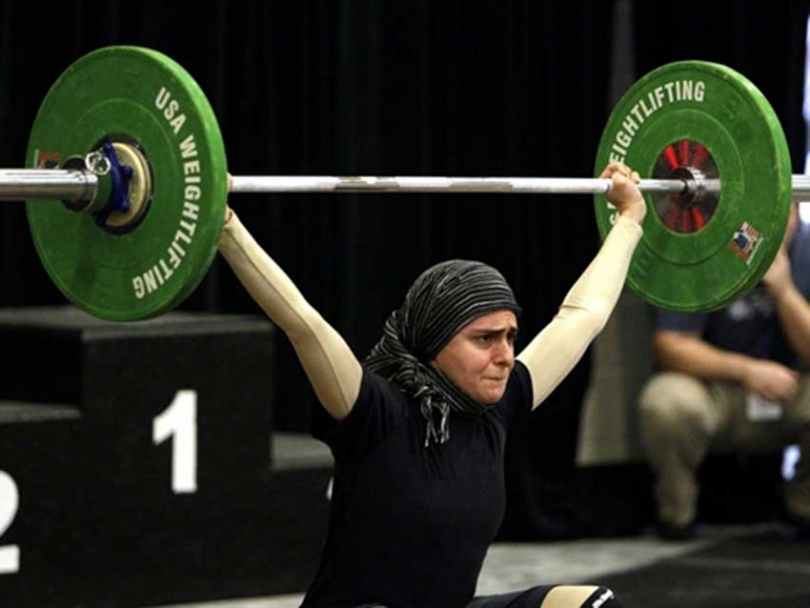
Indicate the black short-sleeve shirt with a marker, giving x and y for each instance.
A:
(410, 525)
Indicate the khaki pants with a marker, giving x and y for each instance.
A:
(682, 418)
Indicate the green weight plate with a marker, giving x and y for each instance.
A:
(695, 118)
(146, 100)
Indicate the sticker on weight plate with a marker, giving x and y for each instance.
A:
(47, 160)
(745, 242)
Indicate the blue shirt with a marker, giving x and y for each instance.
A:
(750, 324)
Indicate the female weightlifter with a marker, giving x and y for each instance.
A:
(418, 428)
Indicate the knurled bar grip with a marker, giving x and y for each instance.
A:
(528, 185)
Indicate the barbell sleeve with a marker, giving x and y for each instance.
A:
(62, 184)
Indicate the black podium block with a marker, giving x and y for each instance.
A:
(169, 457)
(40, 497)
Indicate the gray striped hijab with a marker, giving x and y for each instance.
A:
(441, 301)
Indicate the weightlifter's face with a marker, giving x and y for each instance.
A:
(480, 357)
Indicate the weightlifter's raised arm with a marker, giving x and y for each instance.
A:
(552, 354)
(330, 365)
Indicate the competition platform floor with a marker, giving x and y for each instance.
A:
(751, 566)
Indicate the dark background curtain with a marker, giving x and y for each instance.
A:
(409, 88)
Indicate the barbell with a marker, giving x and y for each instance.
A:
(127, 142)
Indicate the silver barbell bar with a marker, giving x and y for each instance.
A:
(82, 184)
(407, 184)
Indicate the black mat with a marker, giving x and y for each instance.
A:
(762, 570)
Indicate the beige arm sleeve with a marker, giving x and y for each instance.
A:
(330, 365)
(552, 354)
